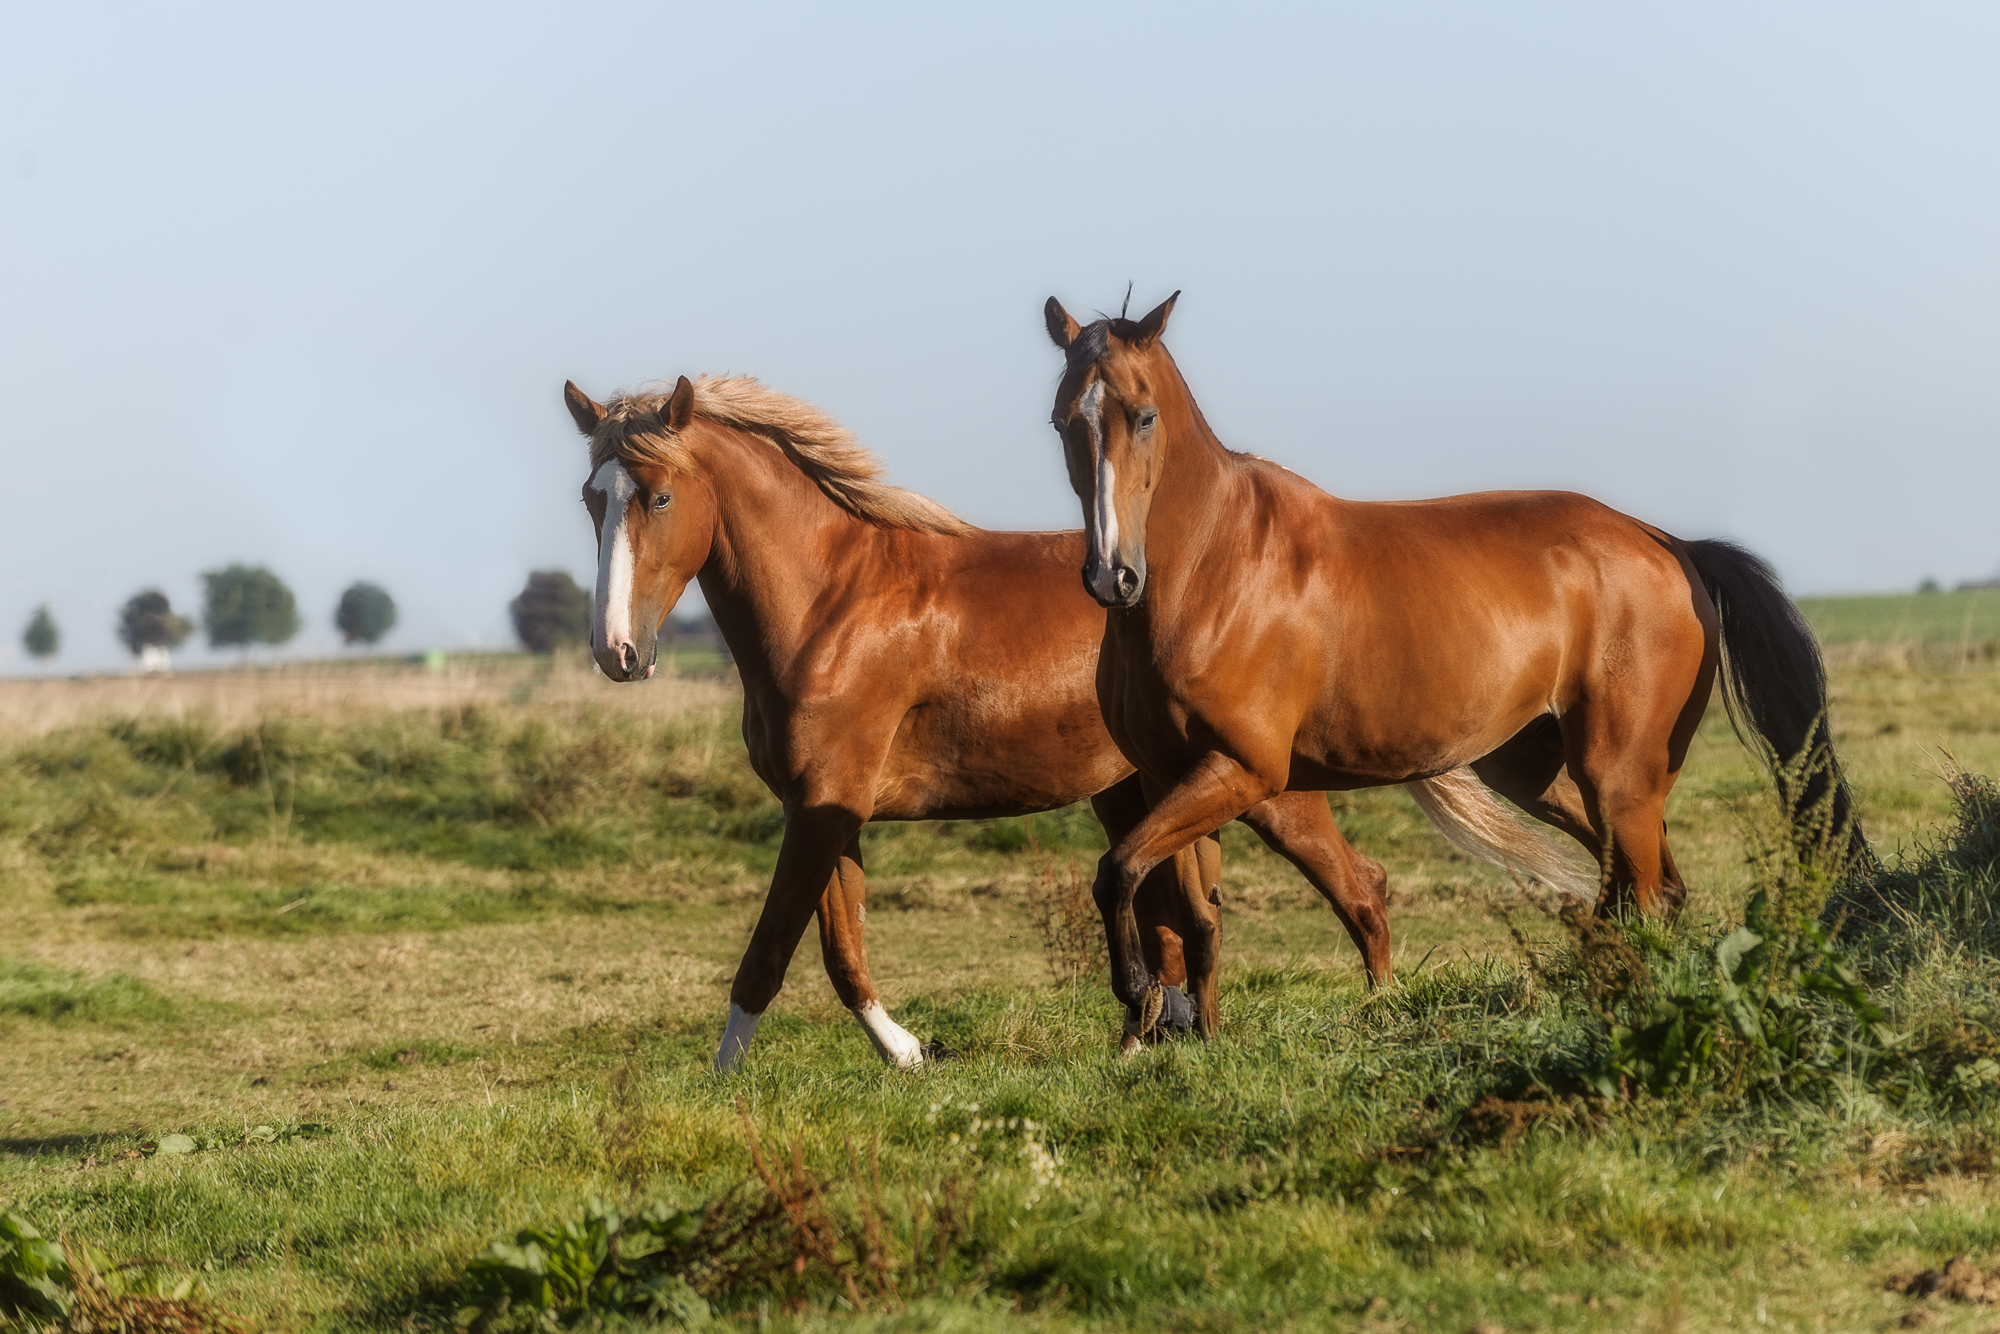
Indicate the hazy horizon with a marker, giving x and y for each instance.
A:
(302, 289)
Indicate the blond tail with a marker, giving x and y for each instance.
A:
(1467, 814)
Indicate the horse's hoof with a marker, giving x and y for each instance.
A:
(1176, 1015)
(937, 1051)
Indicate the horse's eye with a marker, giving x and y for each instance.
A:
(660, 501)
(1146, 421)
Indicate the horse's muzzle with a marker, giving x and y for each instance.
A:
(625, 661)
(1116, 586)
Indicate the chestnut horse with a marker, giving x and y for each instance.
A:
(1266, 637)
(897, 664)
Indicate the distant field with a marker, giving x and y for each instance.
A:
(1969, 620)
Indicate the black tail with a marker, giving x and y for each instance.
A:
(1774, 682)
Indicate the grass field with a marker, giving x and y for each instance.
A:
(1934, 630)
(460, 943)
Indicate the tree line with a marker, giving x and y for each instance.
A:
(248, 605)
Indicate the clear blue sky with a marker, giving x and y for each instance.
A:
(302, 287)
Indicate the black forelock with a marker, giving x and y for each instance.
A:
(1089, 345)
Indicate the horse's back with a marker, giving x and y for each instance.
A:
(1428, 628)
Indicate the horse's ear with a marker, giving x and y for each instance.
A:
(680, 408)
(1155, 324)
(1062, 329)
(586, 414)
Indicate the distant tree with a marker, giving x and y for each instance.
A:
(247, 604)
(148, 621)
(551, 612)
(1929, 586)
(41, 638)
(365, 614)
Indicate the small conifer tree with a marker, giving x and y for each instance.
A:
(42, 638)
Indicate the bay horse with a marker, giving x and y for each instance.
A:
(899, 664)
(1264, 636)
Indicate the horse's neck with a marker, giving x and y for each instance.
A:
(1199, 479)
(778, 541)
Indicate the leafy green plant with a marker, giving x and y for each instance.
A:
(602, 1262)
(785, 1232)
(1780, 1005)
(1772, 1005)
(34, 1276)
(77, 1287)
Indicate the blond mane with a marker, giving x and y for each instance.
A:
(846, 470)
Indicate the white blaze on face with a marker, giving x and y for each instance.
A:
(1104, 509)
(893, 1043)
(614, 558)
(736, 1038)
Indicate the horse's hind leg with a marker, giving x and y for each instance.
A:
(807, 860)
(1673, 889)
(1622, 773)
(1299, 827)
(843, 948)
(1530, 771)
(1183, 892)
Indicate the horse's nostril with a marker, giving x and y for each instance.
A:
(1127, 580)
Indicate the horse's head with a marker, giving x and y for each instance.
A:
(1108, 415)
(655, 517)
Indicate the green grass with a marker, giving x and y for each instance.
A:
(61, 995)
(1969, 620)
(488, 950)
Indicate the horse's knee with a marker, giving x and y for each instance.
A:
(1117, 887)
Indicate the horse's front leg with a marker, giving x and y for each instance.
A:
(843, 947)
(1210, 795)
(814, 837)
(1158, 904)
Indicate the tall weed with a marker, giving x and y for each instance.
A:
(1066, 918)
(1947, 894)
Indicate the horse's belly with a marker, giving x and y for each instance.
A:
(1371, 748)
(957, 762)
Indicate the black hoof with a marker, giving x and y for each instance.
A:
(937, 1051)
(1176, 1016)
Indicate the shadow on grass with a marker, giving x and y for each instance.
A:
(39, 1146)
